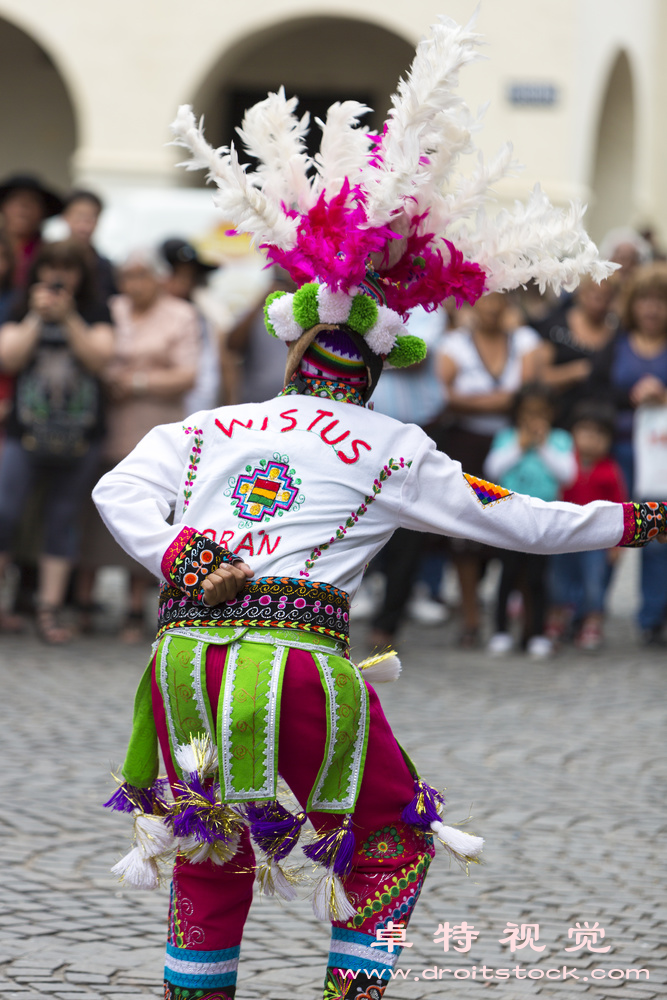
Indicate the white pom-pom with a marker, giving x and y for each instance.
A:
(381, 670)
(462, 844)
(333, 307)
(330, 901)
(382, 335)
(153, 836)
(200, 755)
(282, 318)
(136, 870)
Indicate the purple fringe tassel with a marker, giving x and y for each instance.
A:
(195, 820)
(127, 798)
(274, 829)
(423, 810)
(334, 850)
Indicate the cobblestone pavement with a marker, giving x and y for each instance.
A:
(561, 764)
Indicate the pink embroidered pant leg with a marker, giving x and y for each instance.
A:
(210, 903)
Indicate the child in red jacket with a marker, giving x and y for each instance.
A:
(579, 580)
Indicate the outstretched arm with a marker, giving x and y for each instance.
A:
(438, 496)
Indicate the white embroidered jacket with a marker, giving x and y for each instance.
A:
(303, 487)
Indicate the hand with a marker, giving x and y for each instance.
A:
(53, 305)
(533, 432)
(225, 582)
(580, 370)
(649, 389)
(120, 386)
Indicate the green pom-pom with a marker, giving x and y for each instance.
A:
(304, 306)
(363, 314)
(407, 351)
(269, 299)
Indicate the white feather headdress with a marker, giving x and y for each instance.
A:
(390, 215)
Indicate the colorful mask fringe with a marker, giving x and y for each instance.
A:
(388, 216)
(334, 851)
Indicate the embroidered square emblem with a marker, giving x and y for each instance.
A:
(487, 493)
(266, 491)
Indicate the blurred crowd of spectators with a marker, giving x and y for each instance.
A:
(537, 394)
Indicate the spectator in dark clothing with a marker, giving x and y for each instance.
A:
(632, 369)
(25, 203)
(57, 344)
(82, 213)
(632, 372)
(8, 295)
(572, 337)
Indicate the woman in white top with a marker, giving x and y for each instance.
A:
(482, 368)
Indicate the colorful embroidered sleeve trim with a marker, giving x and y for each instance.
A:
(190, 558)
(487, 493)
(193, 462)
(393, 465)
(642, 522)
(170, 556)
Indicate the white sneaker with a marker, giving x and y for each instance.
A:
(539, 647)
(500, 644)
(423, 609)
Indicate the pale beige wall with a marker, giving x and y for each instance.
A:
(36, 118)
(127, 66)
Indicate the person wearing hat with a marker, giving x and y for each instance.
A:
(260, 518)
(188, 273)
(25, 203)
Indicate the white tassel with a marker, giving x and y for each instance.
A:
(463, 845)
(198, 851)
(272, 881)
(137, 870)
(200, 755)
(153, 836)
(330, 901)
(381, 670)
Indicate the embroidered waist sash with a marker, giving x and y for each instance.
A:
(270, 602)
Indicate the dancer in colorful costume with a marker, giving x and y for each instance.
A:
(277, 508)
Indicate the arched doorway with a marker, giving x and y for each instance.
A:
(614, 158)
(359, 61)
(37, 120)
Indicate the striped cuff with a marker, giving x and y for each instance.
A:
(353, 950)
(203, 969)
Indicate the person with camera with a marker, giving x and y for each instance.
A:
(59, 340)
